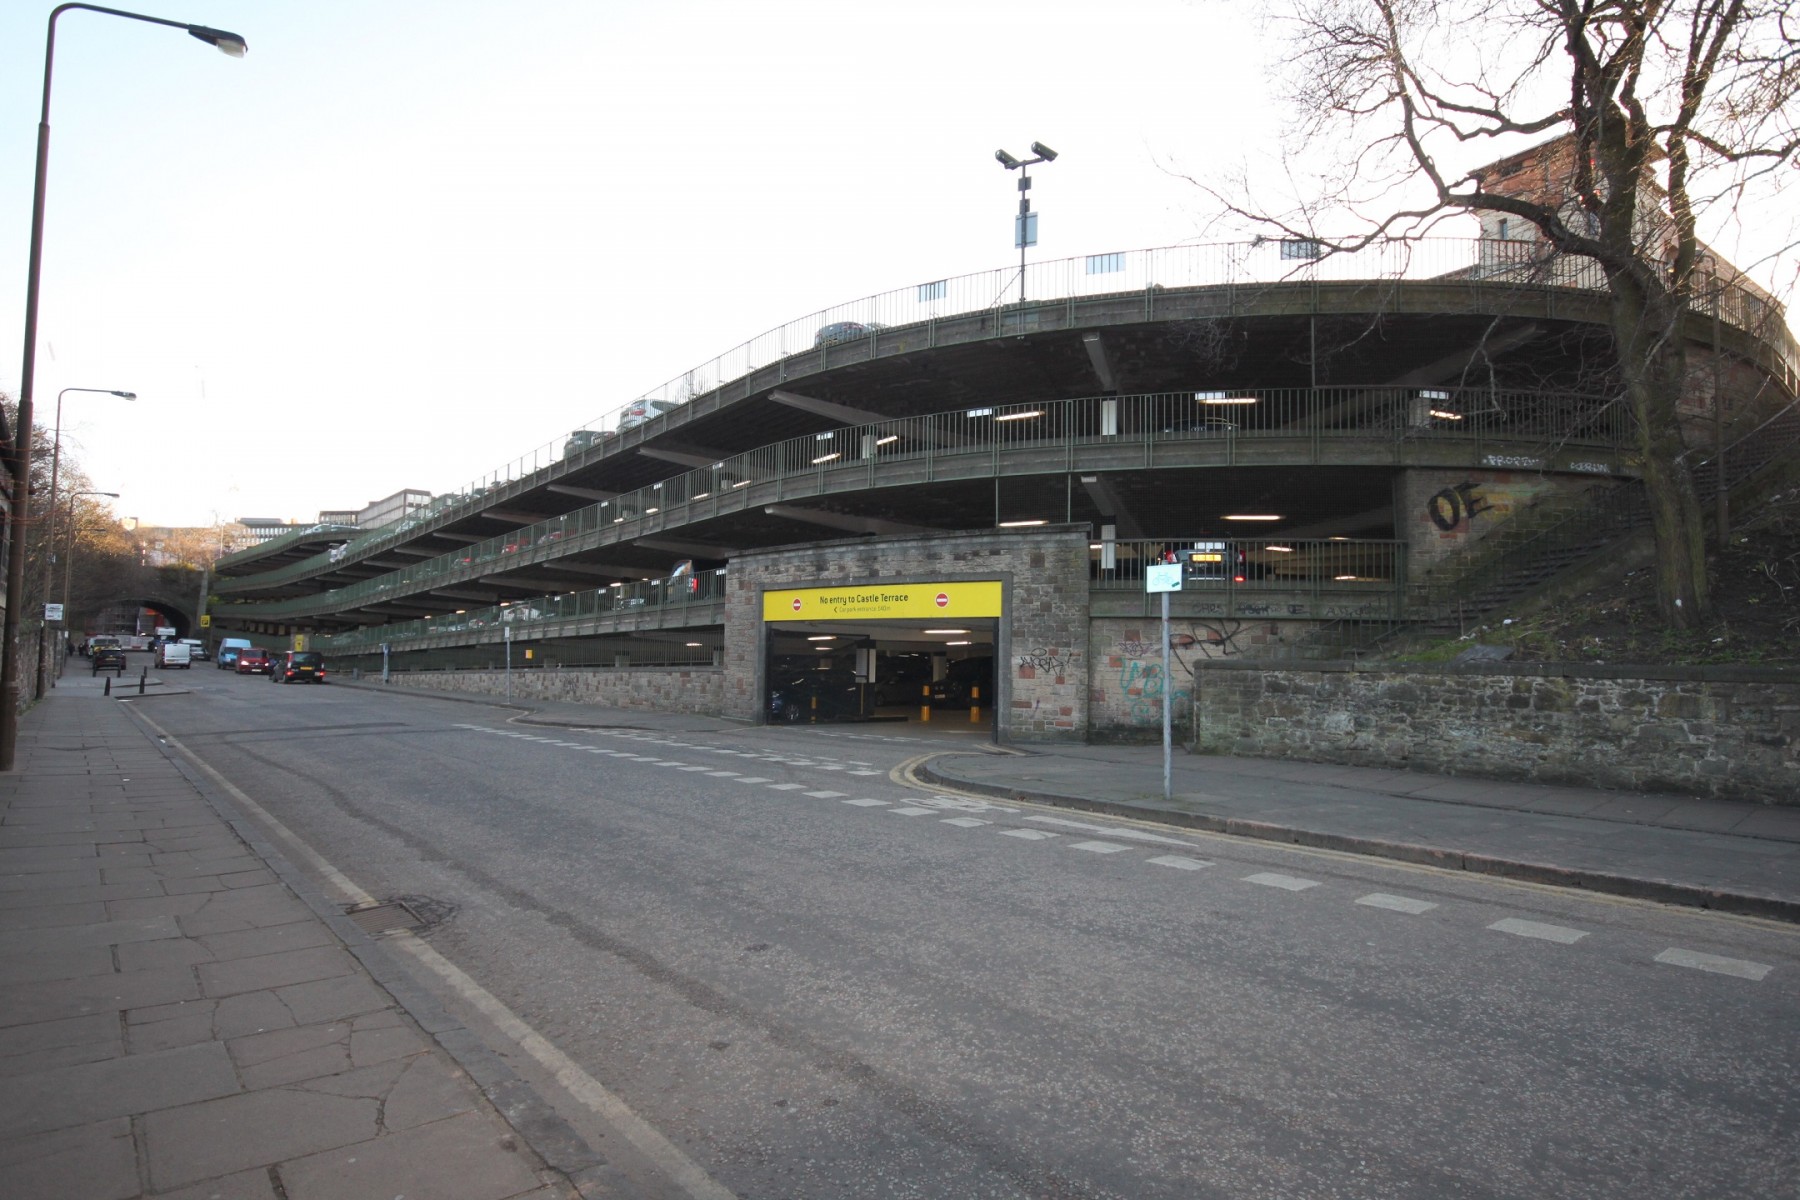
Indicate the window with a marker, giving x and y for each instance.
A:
(931, 291)
(1503, 224)
(1301, 248)
(1105, 264)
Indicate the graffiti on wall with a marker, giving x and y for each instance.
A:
(1138, 661)
(1454, 509)
(1455, 506)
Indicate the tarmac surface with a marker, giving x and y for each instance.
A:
(183, 1013)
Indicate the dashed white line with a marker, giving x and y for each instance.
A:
(694, 768)
(866, 803)
(915, 812)
(1395, 903)
(965, 822)
(1742, 968)
(1117, 831)
(1098, 847)
(865, 772)
(1030, 835)
(723, 774)
(1178, 862)
(1291, 883)
(786, 787)
(751, 779)
(1560, 934)
(824, 795)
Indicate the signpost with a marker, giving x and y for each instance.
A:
(1164, 578)
(53, 612)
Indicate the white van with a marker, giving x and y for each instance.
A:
(170, 655)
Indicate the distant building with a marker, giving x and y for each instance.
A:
(338, 516)
(397, 507)
(262, 529)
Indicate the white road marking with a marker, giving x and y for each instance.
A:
(696, 769)
(965, 822)
(1030, 835)
(786, 787)
(1395, 903)
(829, 767)
(681, 765)
(1740, 967)
(824, 795)
(1136, 835)
(914, 812)
(1098, 847)
(1291, 883)
(723, 774)
(1561, 934)
(751, 779)
(868, 803)
(865, 772)
(1178, 862)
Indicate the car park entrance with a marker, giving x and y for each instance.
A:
(920, 653)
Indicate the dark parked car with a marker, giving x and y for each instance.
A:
(254, 661)
(816, 696)
(967, 683)
(298, 666)
(901, 678)
(108, 658)
(839, 332)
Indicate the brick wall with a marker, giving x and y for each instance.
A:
(1706, 731)
(667, 689)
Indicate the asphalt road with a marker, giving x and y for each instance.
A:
(819, 981)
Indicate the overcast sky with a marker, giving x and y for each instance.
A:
(404, 241)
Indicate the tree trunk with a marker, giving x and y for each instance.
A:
(1653, 362)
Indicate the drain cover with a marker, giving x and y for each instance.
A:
(385, 918)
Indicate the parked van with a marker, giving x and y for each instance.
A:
(196, 649)
(228, 653)
(172, 655)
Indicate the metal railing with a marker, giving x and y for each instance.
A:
(967, 442)
(1239, 265)
(539, 617)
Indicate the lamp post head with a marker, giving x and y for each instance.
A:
(227, 43)
(1006, 160)
(126, 395)
(1044, 152)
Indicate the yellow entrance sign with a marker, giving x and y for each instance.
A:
(886, 601)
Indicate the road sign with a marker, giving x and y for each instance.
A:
(53, 612)
(1162, 577)
(206, 620)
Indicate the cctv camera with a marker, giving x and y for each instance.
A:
(1044, 152)
(1006, 160)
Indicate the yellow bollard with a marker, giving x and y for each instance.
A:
(925, 708)
(974, 706)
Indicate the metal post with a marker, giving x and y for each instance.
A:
(509, 662)
(1168, 698)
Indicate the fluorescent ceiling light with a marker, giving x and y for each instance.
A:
(701, 495)
(1445, 415)
(693, 643)
(946, 631)
(1337, 537)
(1223, 398)
(1253, 517)
(979, 412)
(1341, 578)
(651, 510)
(741, 483)
(825, 458)
(823, 637)
(619, 585)
(959, 643)
(1434, 395)
(823, 437)
(892, 437)
(1280, 549)
(1096, 545)
(1021, 416)
(1021, 524)
(618, 520)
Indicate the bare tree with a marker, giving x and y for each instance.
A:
(1661, 110)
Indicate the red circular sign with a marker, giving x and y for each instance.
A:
(943, 599)
(796, 604)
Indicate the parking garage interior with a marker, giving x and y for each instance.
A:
(895, 671)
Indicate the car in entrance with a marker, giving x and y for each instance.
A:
(820, 695)
(298, 666)
(254, 660)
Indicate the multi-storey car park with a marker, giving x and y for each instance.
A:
(932, 484)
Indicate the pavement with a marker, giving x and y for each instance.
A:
(184, 1015)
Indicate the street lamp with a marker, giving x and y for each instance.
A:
(1025, 224)
(68, 571)
(50, 529)
(19, 456)
(56, 464)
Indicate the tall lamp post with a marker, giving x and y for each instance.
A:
(50, 529)
(69, 561)
(19, 457)
(1025, 224)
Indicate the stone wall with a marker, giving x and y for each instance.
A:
(1125, 683)
(1706, 731)
(1040, 648)
(694, 690)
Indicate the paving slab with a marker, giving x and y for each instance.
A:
(445, 1160)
